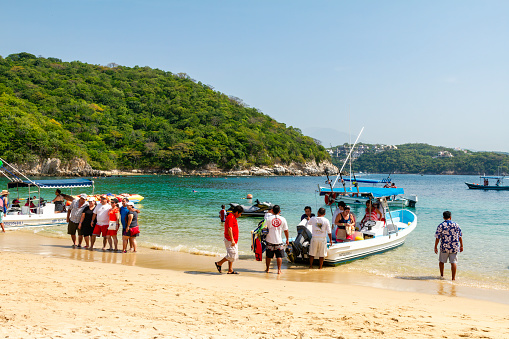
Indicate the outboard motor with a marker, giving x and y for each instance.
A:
(412, 200)
(300, 246)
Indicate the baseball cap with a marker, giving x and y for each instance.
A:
(130, 203)
(83, 196)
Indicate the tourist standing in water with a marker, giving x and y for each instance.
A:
(231, 238)
(222, 213)
(59, 202)
(276, 225)
(451, 243)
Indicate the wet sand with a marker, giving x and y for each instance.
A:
(115, 295)
(28, 242)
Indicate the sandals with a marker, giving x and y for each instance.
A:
(233, 272)
(218, 267)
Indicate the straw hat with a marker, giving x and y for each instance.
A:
(4, 192)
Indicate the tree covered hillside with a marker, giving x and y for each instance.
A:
(122, 117)
(423, 158)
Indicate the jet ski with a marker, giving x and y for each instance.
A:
(257, 210)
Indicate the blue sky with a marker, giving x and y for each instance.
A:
(435, 72)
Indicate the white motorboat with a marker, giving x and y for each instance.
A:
(36, 212)
(373, 237)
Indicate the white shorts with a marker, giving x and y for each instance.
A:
(318, 248)
(232, 252)
(453, 257)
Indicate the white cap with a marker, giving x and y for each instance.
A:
(83, 196)
(91, 199)
(130, 203)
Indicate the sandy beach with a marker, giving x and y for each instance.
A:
(78, 294)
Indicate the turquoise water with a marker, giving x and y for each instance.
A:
(176, 218)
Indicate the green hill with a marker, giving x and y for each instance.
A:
(423, 158)
(122, 117)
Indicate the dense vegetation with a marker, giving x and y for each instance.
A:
(423, 158)
(122, 117)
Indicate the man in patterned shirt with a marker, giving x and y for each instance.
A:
(451, 243)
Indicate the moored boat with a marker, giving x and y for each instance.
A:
(257, 210)
(376, 232)
(485, 184)
(36, 211)
(353, 197)
(371, 238)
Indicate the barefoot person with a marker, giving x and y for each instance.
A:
(114, 215)
(132, 228)
(451, 243)
(102, 218)
(276, 225)
(86, 226)
(320, 228)
(231, 238)
(73, 218)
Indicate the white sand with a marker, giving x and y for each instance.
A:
(45, 297)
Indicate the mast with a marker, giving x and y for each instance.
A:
(348, 157)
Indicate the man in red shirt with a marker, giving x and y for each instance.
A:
(231, 237)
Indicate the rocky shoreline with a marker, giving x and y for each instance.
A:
(80, 168)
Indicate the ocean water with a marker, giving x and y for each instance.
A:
(181, 214)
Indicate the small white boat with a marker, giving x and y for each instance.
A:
(374, 237)
(37, 212)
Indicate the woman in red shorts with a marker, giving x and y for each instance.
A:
(114, 213)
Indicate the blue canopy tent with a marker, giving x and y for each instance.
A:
(58, 183)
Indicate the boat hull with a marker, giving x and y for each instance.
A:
(487, 188)
(387, 237)
(45, 217)
(345, 252)
(15, 221)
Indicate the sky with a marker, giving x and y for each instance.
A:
(434, 72)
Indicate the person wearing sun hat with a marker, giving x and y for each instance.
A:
(4, 202)
(102, 218)
(73, 218)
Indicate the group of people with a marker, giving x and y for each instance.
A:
(448, 235)
(91, 219)
(276, 225)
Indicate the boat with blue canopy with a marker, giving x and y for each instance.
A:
(380, 230)
(485, 184)
(36, 211)
(369, 181)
